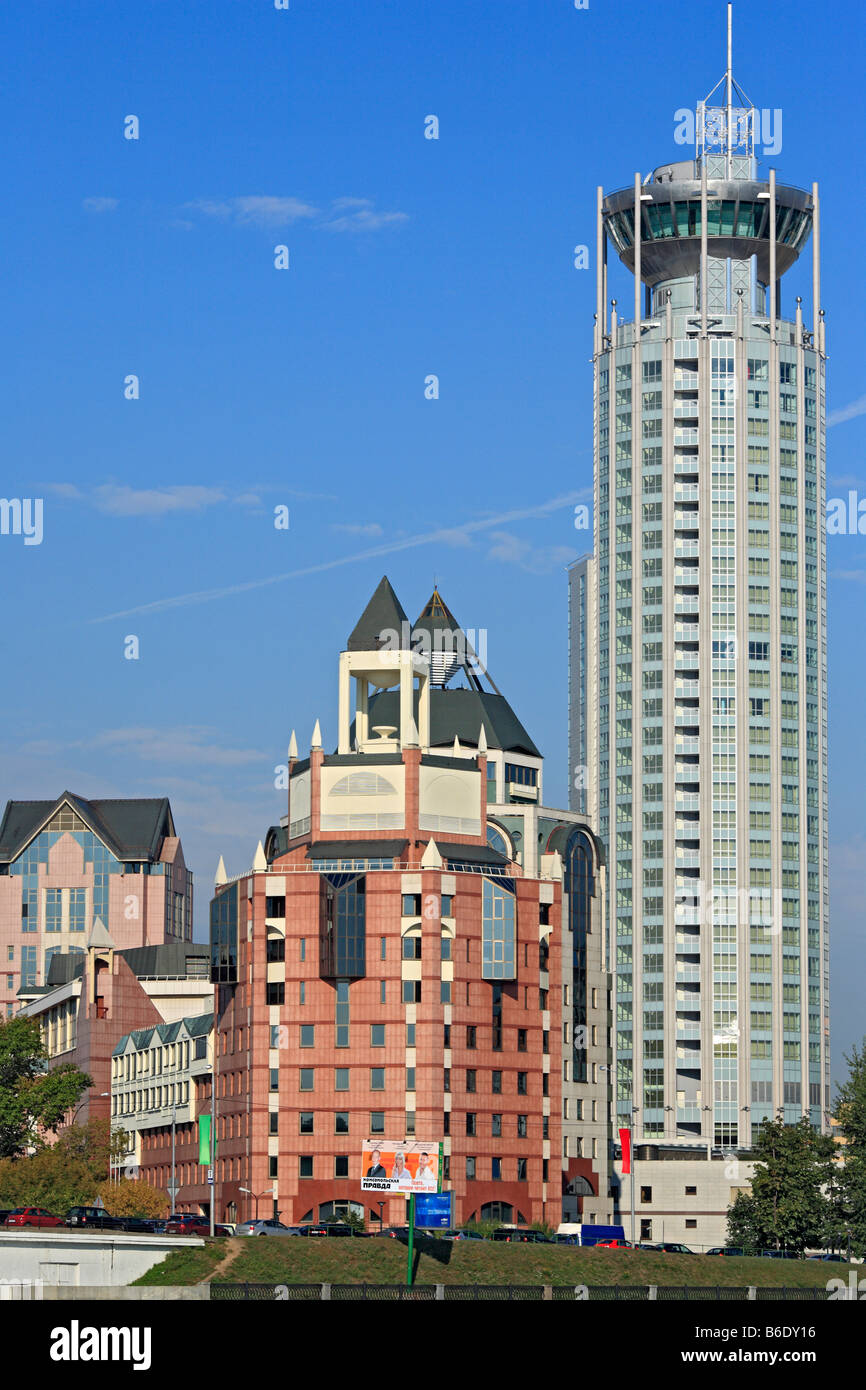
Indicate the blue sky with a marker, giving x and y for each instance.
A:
(305, 387)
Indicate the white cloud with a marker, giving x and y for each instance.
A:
(259, 210)
(128, 501)
(187, 744)
(270, 210)
(511, 550)
(371, 528)
(100, 204)
(359, 215)
(847, 412)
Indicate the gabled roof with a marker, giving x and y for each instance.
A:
(143, 1038)
(383, 613)
(133, 829)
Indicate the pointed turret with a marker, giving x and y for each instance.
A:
(317, 736)
(438, 636)
(431, 858)
(99, 937)
(259, 861)
(221, 875)
(382, 623)
(482, 740)
(293, 747)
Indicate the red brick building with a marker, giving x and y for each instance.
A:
(401, 961)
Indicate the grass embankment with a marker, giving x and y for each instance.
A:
(294, 1260)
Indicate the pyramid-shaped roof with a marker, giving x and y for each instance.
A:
(384, 613)
(438, 635)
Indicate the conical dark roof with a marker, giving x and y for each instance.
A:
(384, 613)
(436, 615)
(439, 636)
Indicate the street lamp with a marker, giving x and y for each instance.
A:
(173, 1191)
(604, 1066)
(268, 1192)
(380, 1205)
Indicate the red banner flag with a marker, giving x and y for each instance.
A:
(625, 1142)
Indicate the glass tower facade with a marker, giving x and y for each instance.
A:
(705, 719)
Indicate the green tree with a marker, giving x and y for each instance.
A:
(850, 1114)
(33, 1098)
(792, 1202)
(62, 1175)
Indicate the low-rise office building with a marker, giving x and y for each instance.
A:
(415, 951)
(160, 1082)
(66, 863)
(680, 1194)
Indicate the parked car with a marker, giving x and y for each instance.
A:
(828, 1255)
(616, 1245)
(330, 1228)
(4, 1212)
(461, 1235)
(726, 1250)
(778, 1255)
(269, 1227)
(395, 1232)
(191, 1225)
(672, 1247)
(32, 1216)
(139, 1225)
(563, 1239)
(95, 1218)
(521, 1235)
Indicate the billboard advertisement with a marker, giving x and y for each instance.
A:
(407, 1166)
(433, 1211)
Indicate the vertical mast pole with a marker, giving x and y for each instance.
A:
(729, 78)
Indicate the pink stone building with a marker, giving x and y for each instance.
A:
(68, 863)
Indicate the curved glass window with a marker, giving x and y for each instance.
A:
(725, 218)
(496, 840)
(580, 890)
(498, 932)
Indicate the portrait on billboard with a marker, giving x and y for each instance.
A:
(408, 1166)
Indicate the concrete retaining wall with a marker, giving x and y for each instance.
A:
(79, 1259)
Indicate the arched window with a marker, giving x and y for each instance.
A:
(502, 1212)
(339, 1209)
(496, 840)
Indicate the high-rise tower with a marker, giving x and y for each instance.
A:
(698, 670)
